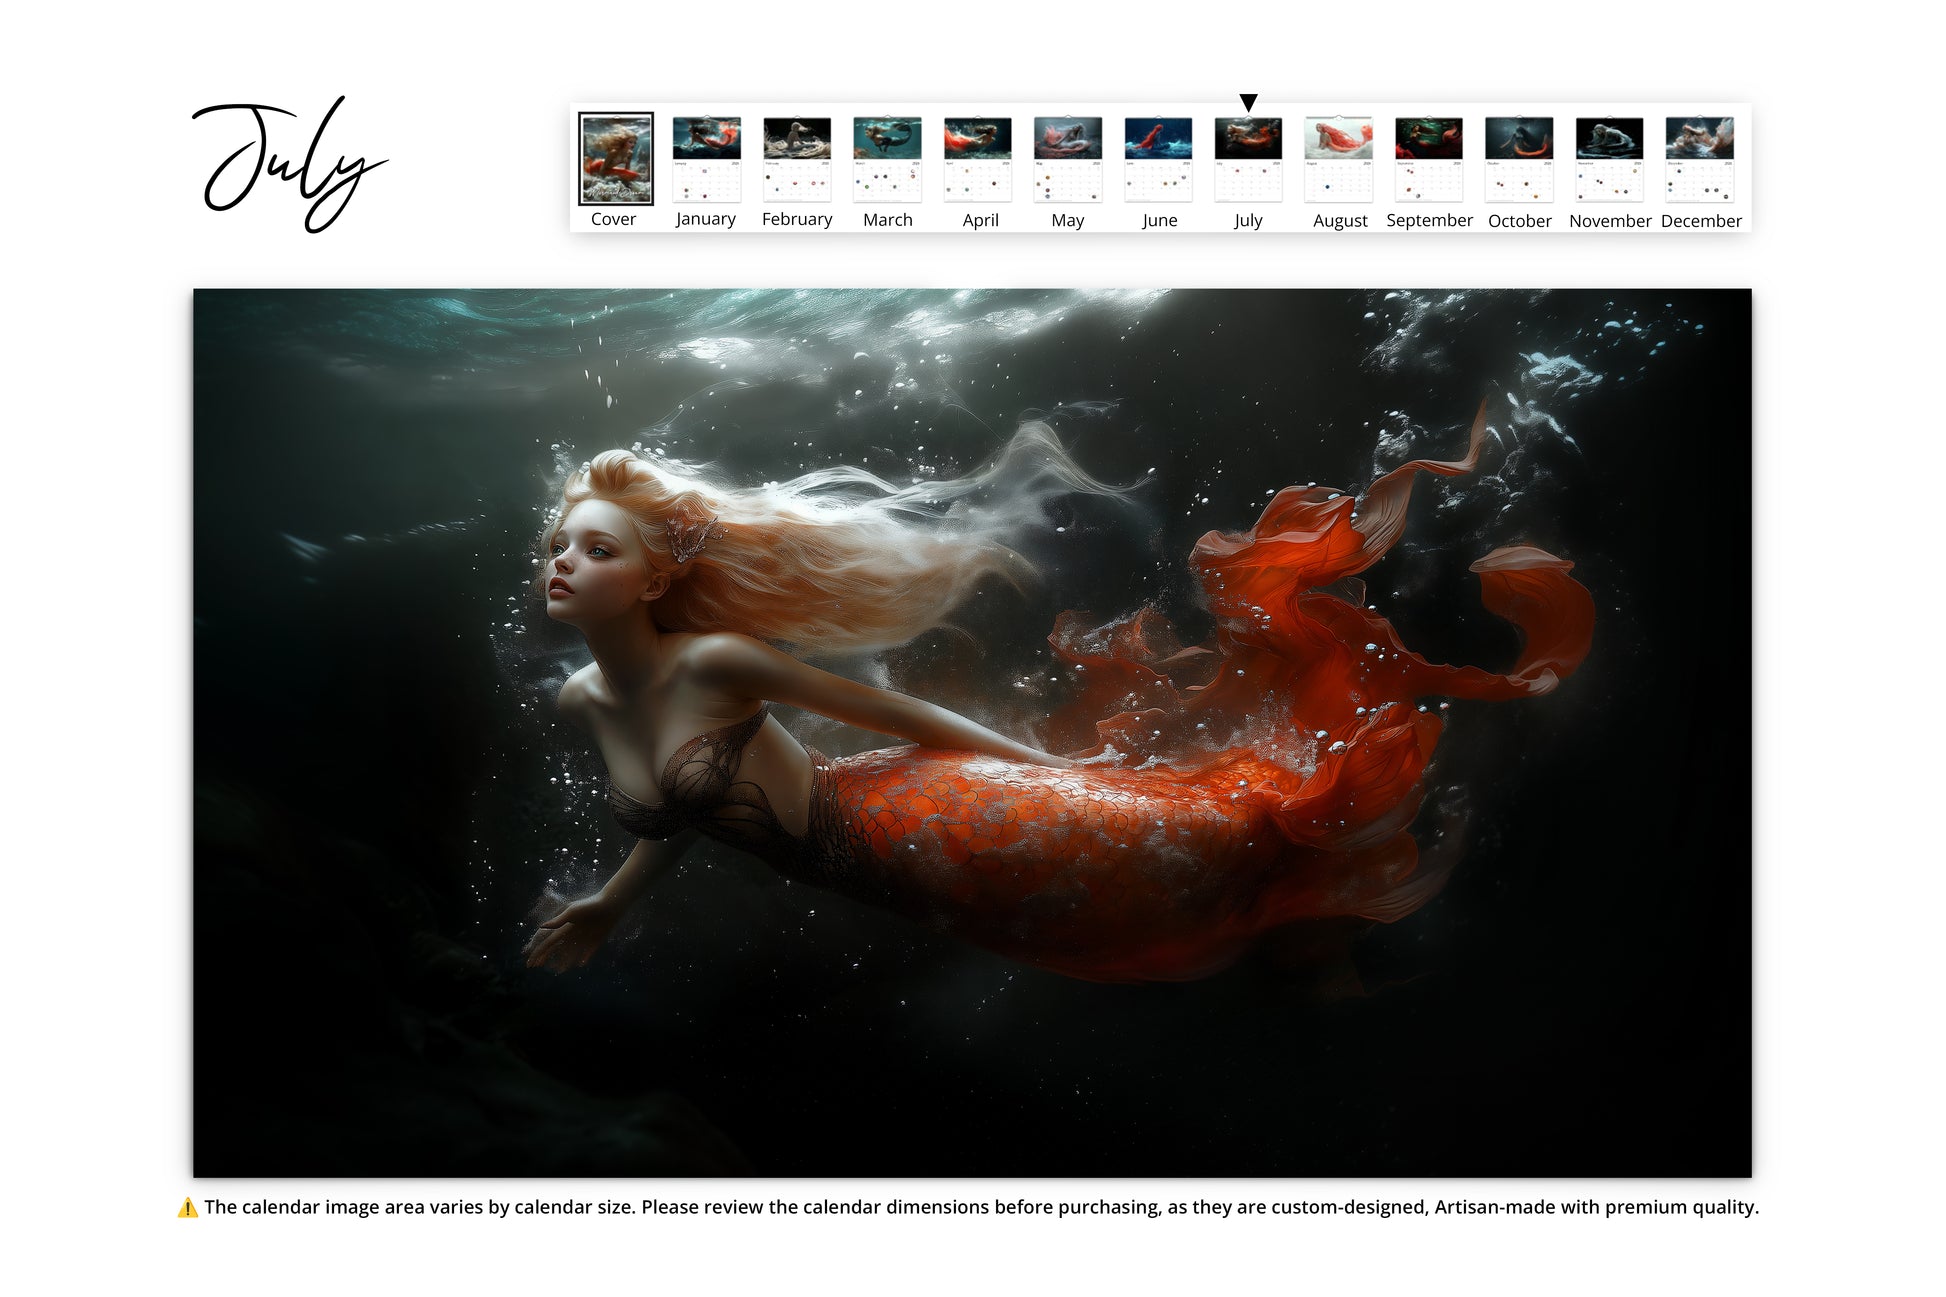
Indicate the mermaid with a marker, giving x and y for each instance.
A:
(885, 140)
(800, 141)
(1260, 136)
(1435, 135)
(1605, 141)
(726, 134)
(1701, 142)
(1517, 140)
(1058, 141)
(616, 148)
(1330, 137)
(982, 138)
(1198, 798)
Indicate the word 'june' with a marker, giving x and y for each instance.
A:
(342, 179)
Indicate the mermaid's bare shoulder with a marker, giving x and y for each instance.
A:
(587, 699)
(724, 657)
(576, 700)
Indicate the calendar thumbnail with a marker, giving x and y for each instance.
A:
(1249, 159)
(1338, 160)
(797, 159)
(1608, 160)
(1157, 153)
(1520, 160)
(617, 158)
(1076, 138)
(1428, 166)
(885, 160)
(1067, 160)
(979, 153)
(707, 160)
(1700, 160)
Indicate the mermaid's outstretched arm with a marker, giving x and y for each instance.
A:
(749, 667)
(576, 931)
(648, 862)
(571, 938)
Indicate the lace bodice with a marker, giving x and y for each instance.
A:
(700, 790)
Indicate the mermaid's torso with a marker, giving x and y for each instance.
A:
(702, 789)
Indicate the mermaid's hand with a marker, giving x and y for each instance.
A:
(571, 938)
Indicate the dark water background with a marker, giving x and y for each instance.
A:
(1177, 139)
(1504, 134)
(382, 792)
(909, 132)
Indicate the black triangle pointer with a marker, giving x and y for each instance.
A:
(1249, 102)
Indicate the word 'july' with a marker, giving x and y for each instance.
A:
(342, 179)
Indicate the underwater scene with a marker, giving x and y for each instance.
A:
(1520, 137)
(1250, 137)
(1608, 137)
(1158, 137)
(979, 137)
(1067, 137)
(1429, 137)
(617, 158)
(1701, 137)
(708, 137)
(886, 137)
(1357, 760)
(797, 137)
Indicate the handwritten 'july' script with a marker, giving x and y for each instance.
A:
(340, 181)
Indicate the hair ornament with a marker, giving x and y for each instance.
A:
(690, 527)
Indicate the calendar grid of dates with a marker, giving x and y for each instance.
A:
(1247, 168)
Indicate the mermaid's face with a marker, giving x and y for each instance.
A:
(597, 571)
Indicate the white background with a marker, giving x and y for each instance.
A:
(106, 236)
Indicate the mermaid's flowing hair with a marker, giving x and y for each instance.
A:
(838, 560)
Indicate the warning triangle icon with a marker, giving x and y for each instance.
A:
(188, 1211)
(1249, 102)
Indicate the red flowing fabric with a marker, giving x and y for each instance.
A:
(1266, 777)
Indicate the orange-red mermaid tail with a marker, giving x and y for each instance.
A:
(1340, 141)
(1266, 777)
(599, 166)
